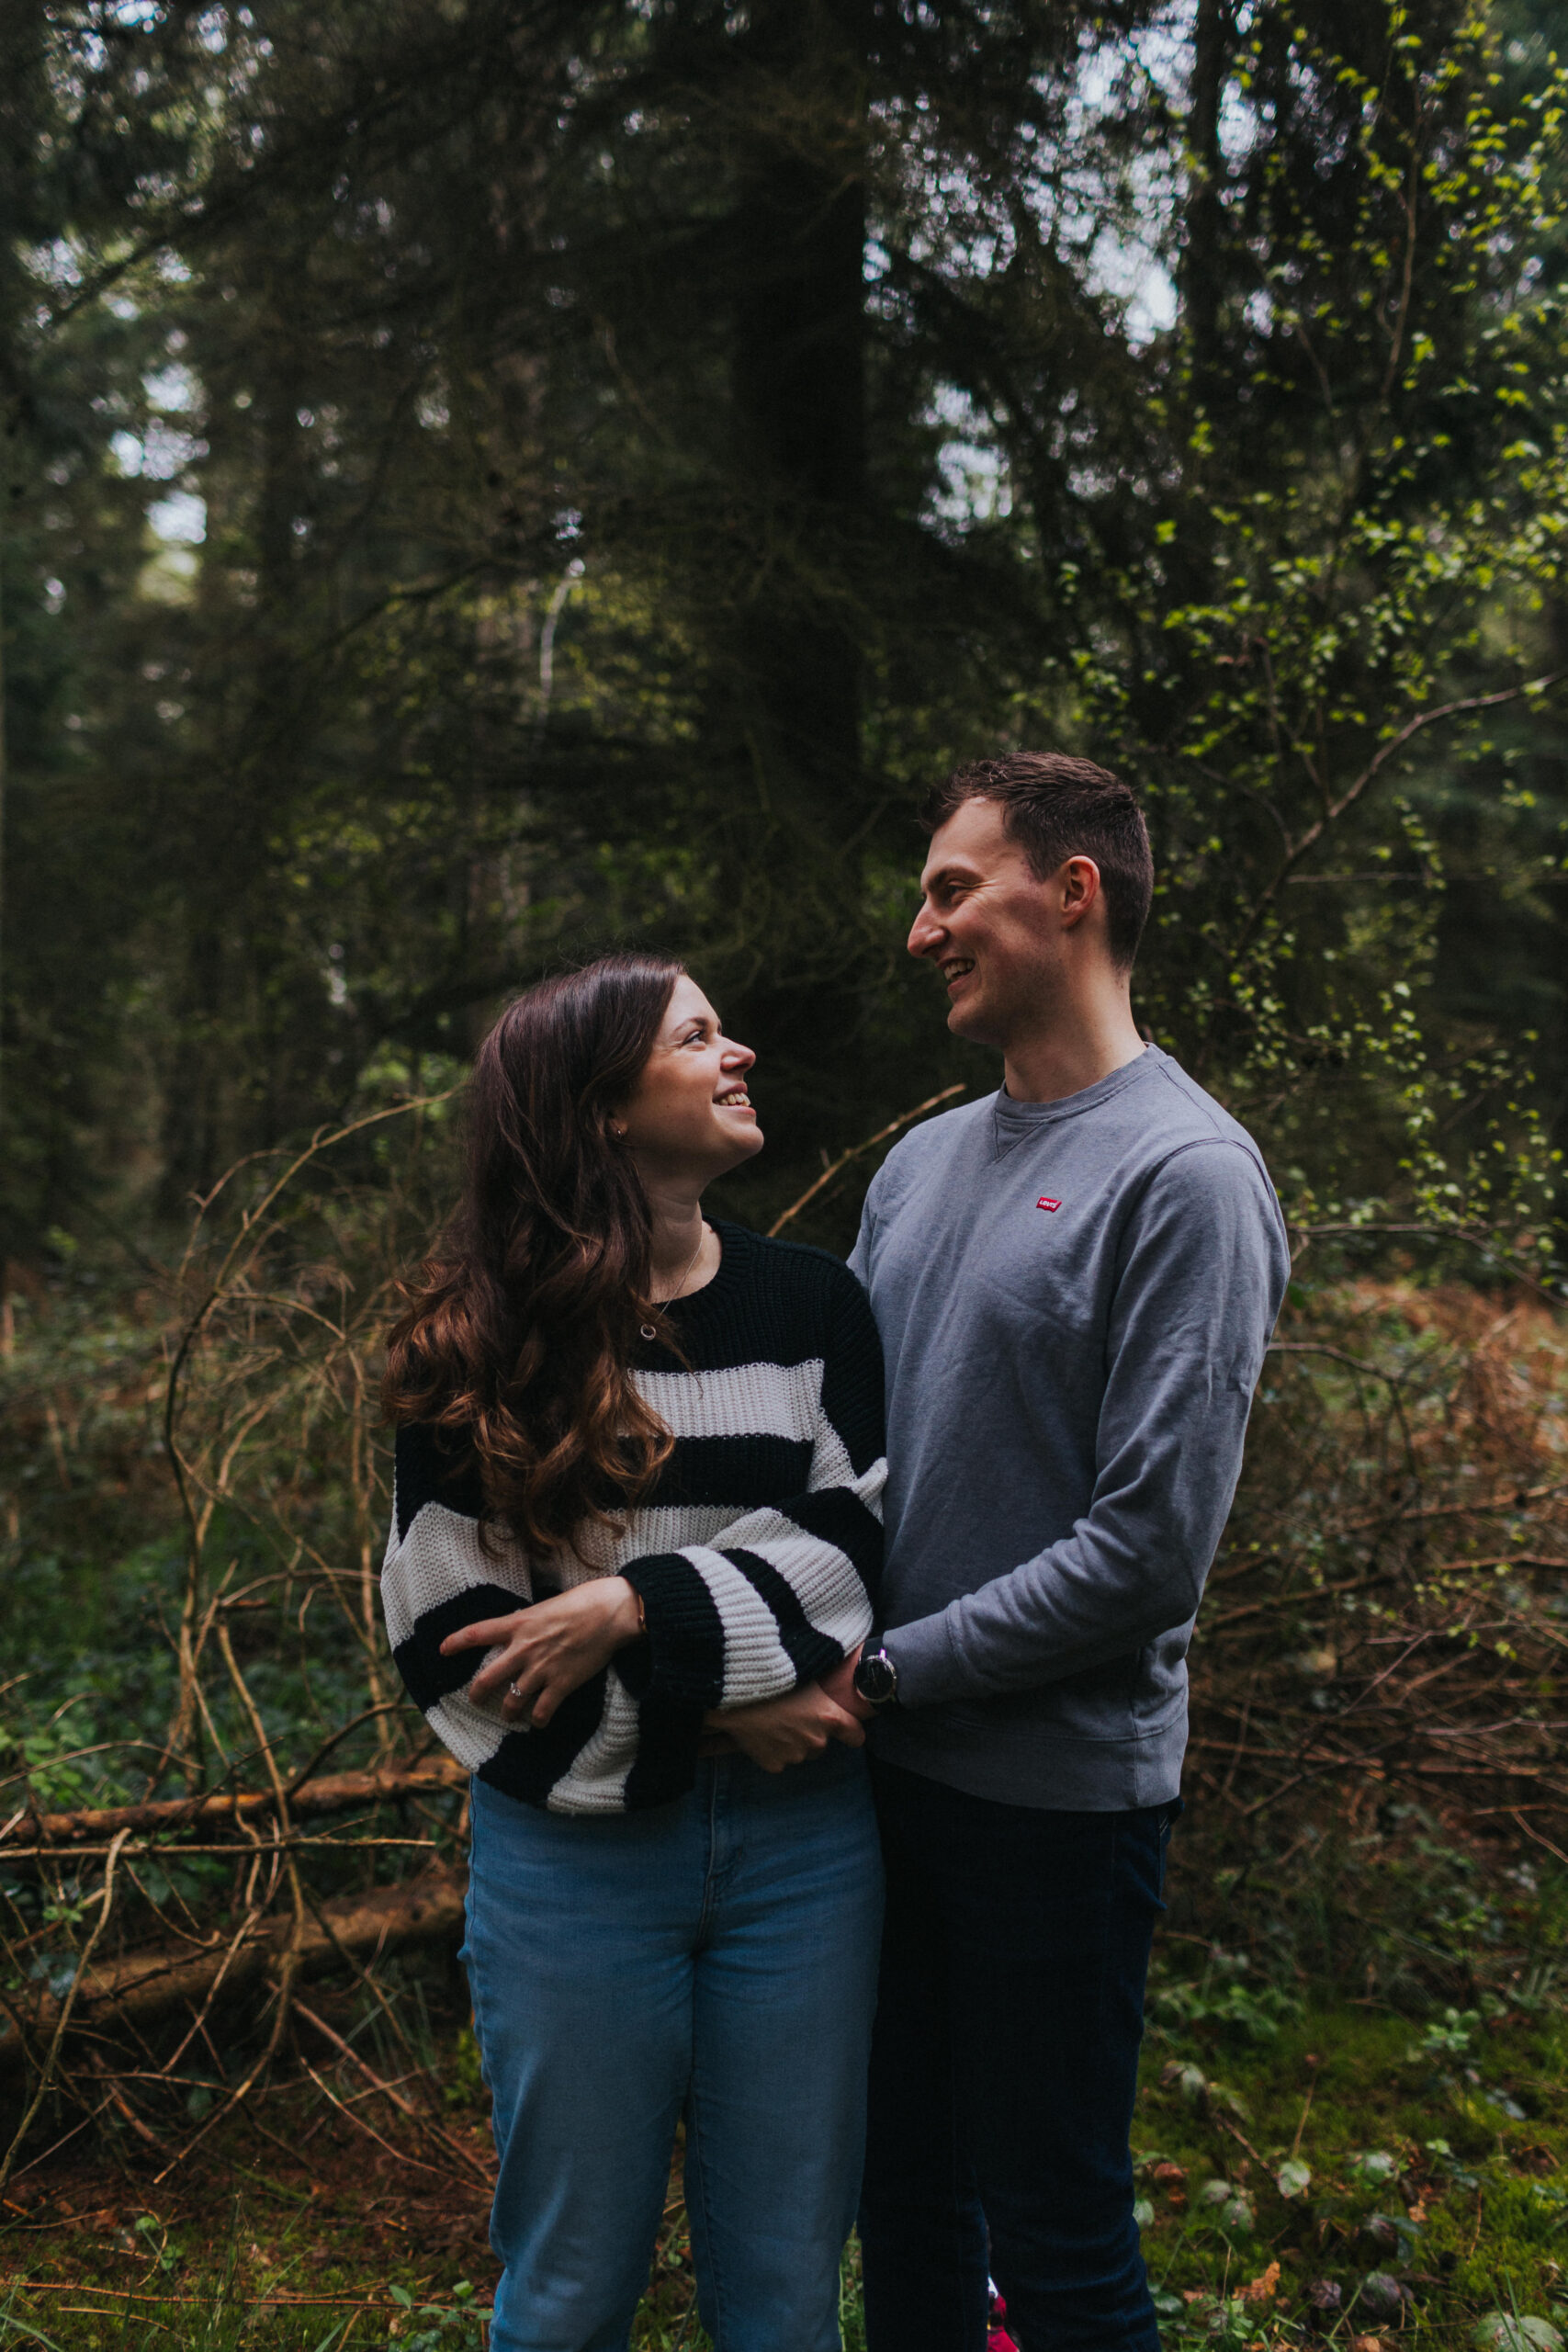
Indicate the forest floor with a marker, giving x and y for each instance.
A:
(1350, 2179)
(1352, 2129)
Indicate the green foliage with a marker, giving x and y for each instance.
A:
(1450, 2037)
(465, 2085)
(395, 597)
(456, 2326)
(1242, 2010)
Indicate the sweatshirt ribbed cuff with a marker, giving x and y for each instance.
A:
(930, 1664)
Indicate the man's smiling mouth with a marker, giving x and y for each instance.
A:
(955, 967)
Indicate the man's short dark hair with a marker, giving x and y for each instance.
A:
(1055, 808)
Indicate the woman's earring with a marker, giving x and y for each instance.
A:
(617, 1130)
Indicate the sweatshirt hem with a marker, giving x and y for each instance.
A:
(1053, 1772)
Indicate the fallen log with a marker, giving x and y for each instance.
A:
(143, 1987)
(333, 1793)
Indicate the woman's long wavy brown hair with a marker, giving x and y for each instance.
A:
(518, 1337)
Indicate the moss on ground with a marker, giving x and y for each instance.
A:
(1337, 2174)
(1351, 2175)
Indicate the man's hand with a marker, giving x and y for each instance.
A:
(840, 1685)
(777, 1733)
(550, 1650)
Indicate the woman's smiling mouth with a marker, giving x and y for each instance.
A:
(735, 1099)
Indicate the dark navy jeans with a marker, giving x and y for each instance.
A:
(1004, 2063)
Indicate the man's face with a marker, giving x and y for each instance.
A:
(986, 922)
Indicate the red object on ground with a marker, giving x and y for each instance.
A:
(998, 2340)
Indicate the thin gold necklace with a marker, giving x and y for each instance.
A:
(647, 1330)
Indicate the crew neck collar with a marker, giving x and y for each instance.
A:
(1014, 1120)
(732, 1240)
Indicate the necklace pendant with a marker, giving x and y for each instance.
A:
(649, 1332)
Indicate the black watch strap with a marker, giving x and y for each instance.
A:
(876, 1678)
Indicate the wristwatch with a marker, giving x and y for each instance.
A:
(876, 1678)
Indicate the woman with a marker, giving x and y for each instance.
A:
(638, 1488)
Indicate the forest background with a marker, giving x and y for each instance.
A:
(485, 480)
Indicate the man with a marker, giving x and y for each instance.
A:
(1075, 1281)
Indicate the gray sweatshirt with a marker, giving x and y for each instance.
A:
(1074, 1299)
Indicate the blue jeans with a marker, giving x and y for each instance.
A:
(714, 1958)
(1003, 2070)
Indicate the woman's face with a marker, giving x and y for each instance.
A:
(689, 1116)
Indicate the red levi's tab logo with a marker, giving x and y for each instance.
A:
(1046, 1202)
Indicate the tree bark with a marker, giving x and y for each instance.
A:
(1202, 271)
(335, 1792)
(146, 1986)
(798, 391)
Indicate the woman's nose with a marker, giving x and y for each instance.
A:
(736, 1056)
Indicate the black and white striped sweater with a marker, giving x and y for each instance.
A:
(756, 1555)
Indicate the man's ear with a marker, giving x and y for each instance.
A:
(1077, 880)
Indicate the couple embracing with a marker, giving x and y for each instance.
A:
(823, 1778)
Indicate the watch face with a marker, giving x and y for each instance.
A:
(875, 1677)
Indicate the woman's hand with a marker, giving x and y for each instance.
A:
(550, 1650)
(777, 1733)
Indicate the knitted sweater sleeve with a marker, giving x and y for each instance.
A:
(600, 1752)
(786, 1590)
(775, 1592)
(442, 1571)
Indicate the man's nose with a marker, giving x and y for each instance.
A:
(924, 933)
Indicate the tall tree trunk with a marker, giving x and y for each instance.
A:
(797, 383)
(236, 1053)
(1203, 273)
(4, 1131)
(799, 426)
